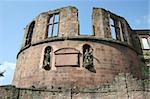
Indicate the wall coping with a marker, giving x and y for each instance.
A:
(78, 38)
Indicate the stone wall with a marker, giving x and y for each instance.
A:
(101, 25)
(124, 86)
(8, 92)
(145, 56)
(68, 24)
(110, 58)
(97, 23)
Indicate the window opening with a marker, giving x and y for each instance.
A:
(29, 34)
(115, 30)
(145, 43)
(53, 27)
(112, 25)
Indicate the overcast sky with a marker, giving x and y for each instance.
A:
(16, 14)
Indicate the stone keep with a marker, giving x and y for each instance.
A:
(56, 60)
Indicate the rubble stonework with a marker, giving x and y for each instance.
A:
(124, 86)
(62, 64)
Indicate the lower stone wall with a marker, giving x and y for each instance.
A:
(70, 94)
(123, 87)
(9, 92)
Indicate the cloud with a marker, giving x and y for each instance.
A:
(8, 75)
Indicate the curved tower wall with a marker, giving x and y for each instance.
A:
(110, 56)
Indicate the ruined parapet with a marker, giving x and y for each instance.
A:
(69, 25)
(40, 30)
(64, 22)
(98, 23)
(108, 25)
(61, 22)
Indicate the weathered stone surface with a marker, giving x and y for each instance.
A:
(145, 53)
(8, 92)
(41, 27)
(69, 25)
(109, 60)
(124, 86)
(97, 23)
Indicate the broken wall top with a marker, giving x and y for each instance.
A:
(64, 22)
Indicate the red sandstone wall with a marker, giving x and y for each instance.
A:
(124, 86)
(110, 59)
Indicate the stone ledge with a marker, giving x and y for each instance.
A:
(79, 38)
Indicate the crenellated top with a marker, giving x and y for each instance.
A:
(64, 22)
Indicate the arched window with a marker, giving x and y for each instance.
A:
(88, 58)
(29, 34)
(47, 58)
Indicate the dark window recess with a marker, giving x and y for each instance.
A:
(123, 33)
(47, 58)
(117, 29)
(29, 34)
(88, 58)
(53, 25)
(86, 47)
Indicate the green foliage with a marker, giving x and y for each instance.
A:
(147, 53)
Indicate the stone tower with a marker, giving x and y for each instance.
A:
(54, 54)
(59, 63)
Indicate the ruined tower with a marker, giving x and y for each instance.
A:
(55, 57)
(69, 64)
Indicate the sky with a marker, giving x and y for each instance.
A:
(16, 14)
